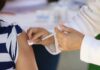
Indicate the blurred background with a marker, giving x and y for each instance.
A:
(71, 61)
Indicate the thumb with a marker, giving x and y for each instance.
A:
(57, 30)
(59, 34)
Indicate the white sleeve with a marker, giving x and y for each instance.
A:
(86, 19)
(90, 50)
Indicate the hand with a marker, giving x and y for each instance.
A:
(68, 38)
(37, 34)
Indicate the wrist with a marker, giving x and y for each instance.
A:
(81, 40)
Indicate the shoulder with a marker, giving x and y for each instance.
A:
(9, 27)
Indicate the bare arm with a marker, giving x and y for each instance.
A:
(26, 58)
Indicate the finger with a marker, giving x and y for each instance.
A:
(38, 41)
(66, 29)
(29, 33)
(58, 32)
(32, 31)
(39, 35)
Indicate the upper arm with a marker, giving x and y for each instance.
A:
(26, 58)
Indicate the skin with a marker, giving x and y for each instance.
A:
(26, 57)
(37, 34)
(68, 38)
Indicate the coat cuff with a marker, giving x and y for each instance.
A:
(90, 50)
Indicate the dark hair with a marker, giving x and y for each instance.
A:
(50, 1)
(2, 3)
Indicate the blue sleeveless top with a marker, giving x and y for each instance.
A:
(8, 46)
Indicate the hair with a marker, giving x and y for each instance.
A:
(50, 1)
(2, 3)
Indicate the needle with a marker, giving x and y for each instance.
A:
(48, 36)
